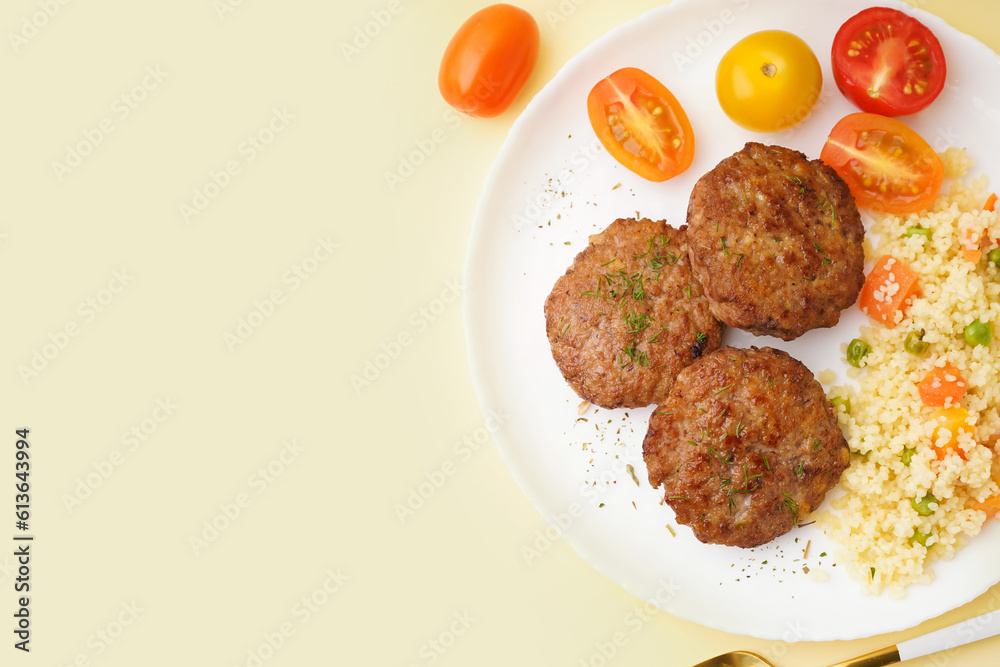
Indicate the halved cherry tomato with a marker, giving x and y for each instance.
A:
(488, 60)
(641, 124)
(888, 62)
(887, 166)
(940, 385)
(886, 289)
(955, 420)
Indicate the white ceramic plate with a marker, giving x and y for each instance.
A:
(550, 188)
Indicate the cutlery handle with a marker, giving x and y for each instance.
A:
(959, 634)
(883, 656)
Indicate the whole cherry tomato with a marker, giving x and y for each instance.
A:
(488, 60)
(768, 81)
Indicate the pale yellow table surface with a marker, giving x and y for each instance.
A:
(187, 295)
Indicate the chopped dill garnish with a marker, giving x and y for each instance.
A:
(792, 506)
(826, 257)
(656, 336)
(637, 323)
(825, 205)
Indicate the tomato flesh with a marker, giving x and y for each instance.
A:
(887, 166)
(641, 124)
(488, 60)
(888, 62)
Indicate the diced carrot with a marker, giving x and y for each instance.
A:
(888, 286)
(955, 420)
(991, 506)
(941, 384)
(971, 240)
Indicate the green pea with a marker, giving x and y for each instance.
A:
(979, 333)
(907, 456)
(994, 257)
(837, 401)
(921, 506)
(857, 350)
(915, 343)
(919, 538)
(918, 231)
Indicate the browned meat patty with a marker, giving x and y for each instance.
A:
(746, 446)
(628, 315)
(776, 241)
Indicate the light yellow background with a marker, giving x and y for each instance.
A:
(176, 371)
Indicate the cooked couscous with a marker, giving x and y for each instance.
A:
(923, 420)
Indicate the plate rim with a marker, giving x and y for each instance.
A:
(475, 243)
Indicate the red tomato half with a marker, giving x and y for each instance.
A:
(488, 60)
(887, 166)
(641, 124)
(888, 62)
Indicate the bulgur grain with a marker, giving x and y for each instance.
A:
(874, 521)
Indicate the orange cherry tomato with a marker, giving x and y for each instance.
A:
(489, 60)
(940, 385)
(886, 290)
(887, 166)
(641, 124)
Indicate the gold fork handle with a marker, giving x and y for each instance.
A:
(884, 656)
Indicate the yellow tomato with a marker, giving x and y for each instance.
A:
(768, 81)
